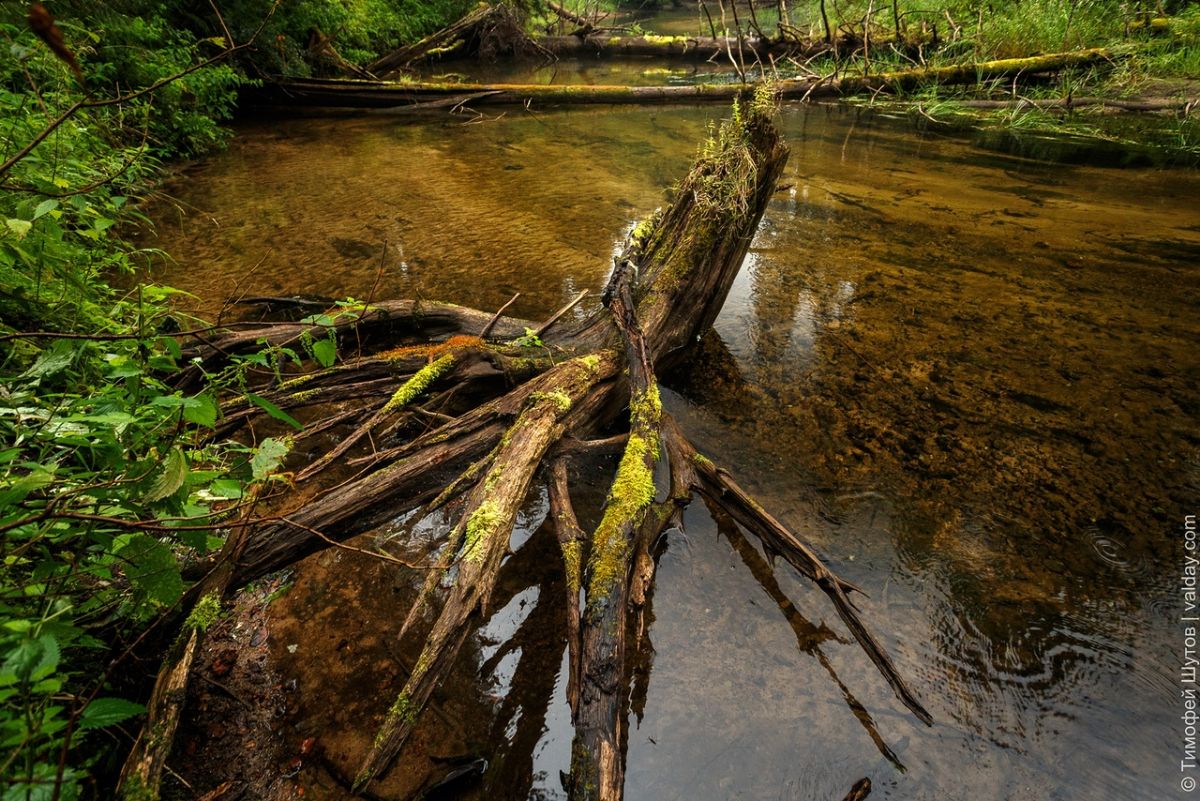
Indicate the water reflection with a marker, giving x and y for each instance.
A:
(968, 377)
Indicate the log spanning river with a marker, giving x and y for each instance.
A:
(969, 376)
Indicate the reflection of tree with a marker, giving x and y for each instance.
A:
(808, 637)
(521, 717)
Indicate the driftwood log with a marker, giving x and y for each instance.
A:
(468, 420)
(417, 96)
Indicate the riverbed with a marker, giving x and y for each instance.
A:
(967, 375)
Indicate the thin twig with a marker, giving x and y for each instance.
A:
(487, 329)
(554, 318)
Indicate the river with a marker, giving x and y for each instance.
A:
(968, 376)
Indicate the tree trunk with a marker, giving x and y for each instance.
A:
(397, 97)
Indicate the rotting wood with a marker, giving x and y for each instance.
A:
(687, 48)
(486, 447)
(487, 31)
(352, 94)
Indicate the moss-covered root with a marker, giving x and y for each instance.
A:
(416, 386)
(597, 762)
(490, 511)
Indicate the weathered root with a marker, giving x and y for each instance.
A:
(379, 325)
(666, 290)
(597, 756)
(487, 521)
(141, 775)
(572, 540)
(860, 790)
(717, 485)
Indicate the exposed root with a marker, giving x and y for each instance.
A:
(487, 522)
(500, 414)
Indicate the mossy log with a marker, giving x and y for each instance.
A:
(416, 96)
(690, 48)
(515, 410)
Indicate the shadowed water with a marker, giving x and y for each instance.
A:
(968, 378)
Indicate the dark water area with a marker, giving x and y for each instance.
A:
(970, 379)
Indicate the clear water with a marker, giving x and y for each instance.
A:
(969, 378)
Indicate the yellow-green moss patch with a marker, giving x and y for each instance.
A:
(412, 389)
(572, 552)
(204, 613)
(632, 491)
(481, 525)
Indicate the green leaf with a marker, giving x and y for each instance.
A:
(21, 488)
(171, 347)
(152, 569)
(53, 360)
(325, 351)
(19, 227)
(225, 488)
(45, 207)
(273, 410)
(171, 477)
(202, 410)
(31, 659)
(268, 457)
(108, 711)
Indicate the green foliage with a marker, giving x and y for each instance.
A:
(360, 30)
(529, 340)
(108, 483)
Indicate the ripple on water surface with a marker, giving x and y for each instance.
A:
(969, 378)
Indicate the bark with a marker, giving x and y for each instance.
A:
(679, 47)
(448, 41)
(396, 97)
(487, 31)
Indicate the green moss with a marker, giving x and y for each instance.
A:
(654, 38)
(136, 790)
(306, 395)
(403, 712)
(591, 362)
(481, 525)
(702, 460)
(632, 491)
(646, 408)
(204, 613)
(560, 399)
(421, 668)
(572, 552)
(411, 389)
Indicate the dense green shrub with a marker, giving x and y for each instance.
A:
(107, 481)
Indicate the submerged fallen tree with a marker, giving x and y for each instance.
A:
(401, 97)
(469, 422)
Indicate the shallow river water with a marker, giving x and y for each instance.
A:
(971, 379)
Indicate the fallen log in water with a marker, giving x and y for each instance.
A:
(747, 49)
(1145, 104)
(396, 97)
(498, 414)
